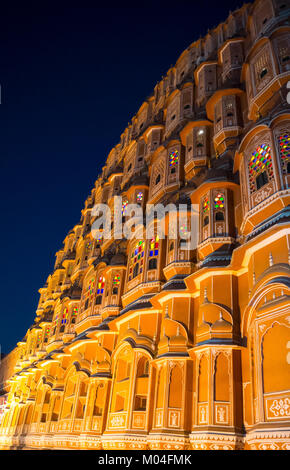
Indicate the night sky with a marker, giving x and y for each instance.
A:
(71, 80)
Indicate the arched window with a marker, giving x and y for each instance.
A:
(89, 292)
(205, 220)
(219, 216)
(137, 260)
(152, 264)
(182, 243)
(221, 379)
(173, 161)
(153, 252)
(46, 334)
(124, 207)
(219, 207)
(261, 179)
(56, 408)
(74, 314)
(136, 270)
(175, 388)
(116, 284)
(98, 300)
(161, 384)
(140, 403)
(64, 316)
(140, 196)
(260, 167)
(142, 367)
(205, 205)
(81, 400)
(39, 339)
(99, 400)
(275, 367)
(101, 285)
(55, 323)
(123, 369)
(203, 380)
(69, 397)
(284, 150)
(199, 139)
(100, 290)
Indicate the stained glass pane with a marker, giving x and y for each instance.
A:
(284, 147)
(124, 207)
(219, 201)
(75, 311)
(137, 255)
(154, 244)
(260, 161)
(101, 285)
(116, 280)
(88, 245)
(64, 316)
(205, 205)
(47, 332)
(173, 158)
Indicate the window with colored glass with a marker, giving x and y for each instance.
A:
(124, 207)
(46, 334)
(284, 150)
(137, 260)
(74, 314)
(64, 316)
(173, 158)
(153, 252)
(101, 285)
(89, 292)
(116, 283)
(260, 167)
(140, 196)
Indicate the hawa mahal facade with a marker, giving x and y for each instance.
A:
(142, 344)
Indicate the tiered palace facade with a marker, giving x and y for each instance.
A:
(142, 344)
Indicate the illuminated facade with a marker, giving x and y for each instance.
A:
(141, 344)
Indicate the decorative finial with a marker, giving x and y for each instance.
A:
(270, 259)
(166, 311)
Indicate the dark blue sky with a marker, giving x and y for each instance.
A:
(71, 79)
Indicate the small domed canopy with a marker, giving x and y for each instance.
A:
(221, 325)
